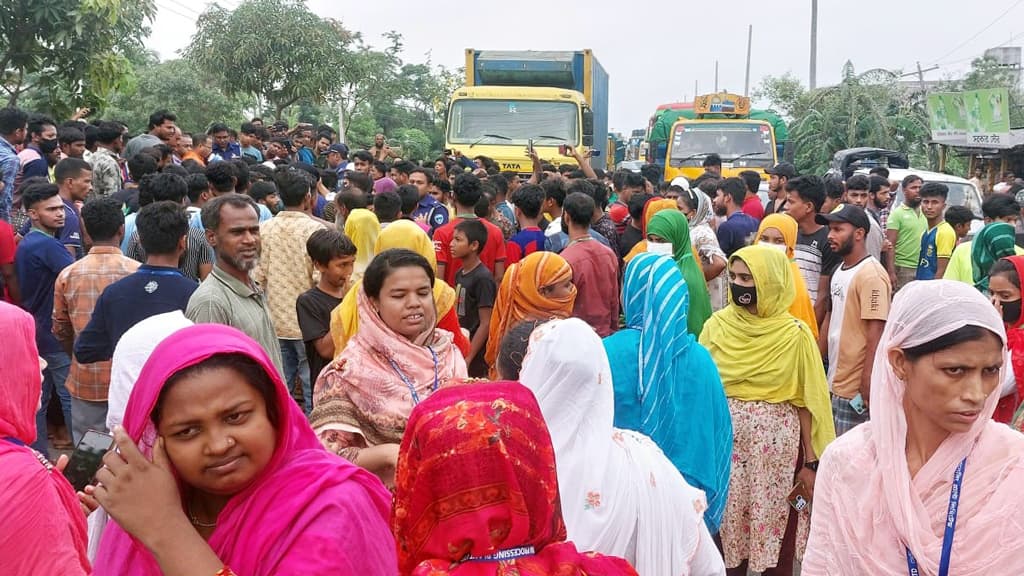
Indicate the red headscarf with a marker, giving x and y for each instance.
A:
(1015, 344)
(44, 529)
(476, 478)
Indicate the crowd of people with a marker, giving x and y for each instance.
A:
(319, 360)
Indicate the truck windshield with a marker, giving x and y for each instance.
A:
(517, 120)
(749, 145)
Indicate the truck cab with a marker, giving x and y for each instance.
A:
(721, 125)
(514, 99)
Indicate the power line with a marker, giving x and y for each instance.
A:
(173, 10)
(980, 32)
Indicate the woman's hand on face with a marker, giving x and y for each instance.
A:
(140, 495)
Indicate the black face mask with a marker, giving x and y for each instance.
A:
(743, 295)
(1011, 311)
(48, 146)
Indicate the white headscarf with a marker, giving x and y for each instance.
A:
(620, 494)
(130, 355)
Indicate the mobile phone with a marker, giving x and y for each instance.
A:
(857, 403)
(798, 497)
(87, 458)
(595, 153)
(563, 149)
(529, 145)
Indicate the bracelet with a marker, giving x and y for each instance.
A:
(225, 571)
(812, 465)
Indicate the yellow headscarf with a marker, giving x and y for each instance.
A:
(362, 227)
(399, 234)
(770, 357)
(802, 307)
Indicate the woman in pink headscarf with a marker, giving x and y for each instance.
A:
(43, 529)
(930, 452)
(218, 472)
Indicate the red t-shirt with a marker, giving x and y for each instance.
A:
(7, 250)
(493, 252)
(752, 207)
(595, 272)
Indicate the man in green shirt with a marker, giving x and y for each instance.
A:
(904, 229)
(229, 295)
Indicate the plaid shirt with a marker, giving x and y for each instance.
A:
(74, 297)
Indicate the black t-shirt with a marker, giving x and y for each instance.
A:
(473, 290)
(128, 197)
(314, 309)
(630, 238)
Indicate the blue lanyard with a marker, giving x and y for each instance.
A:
(947, 539)
(506, 554)
(409, 384)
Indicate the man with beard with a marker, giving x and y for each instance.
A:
(859, 302)
(858, 193)
(229, 295)
(904, 229)
(738, 228)
(779, 175)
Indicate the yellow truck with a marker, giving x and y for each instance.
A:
(516, 98)
(719, 124)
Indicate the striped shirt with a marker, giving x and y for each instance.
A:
(223, 299)
(75, 293)
(197, 253)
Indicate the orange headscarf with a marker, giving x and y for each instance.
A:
(520, 298)
(802, 307)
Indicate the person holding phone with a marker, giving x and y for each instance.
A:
(44, 529)
(214, 446)
(859, 298)
(781, 417)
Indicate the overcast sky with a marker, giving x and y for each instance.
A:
(655, 50)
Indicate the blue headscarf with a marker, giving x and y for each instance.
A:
(666, 384)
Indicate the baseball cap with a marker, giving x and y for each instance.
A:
(339, 148)
(783, 169)
(680, 182)
(847, 213)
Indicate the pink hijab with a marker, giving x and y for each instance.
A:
(867, 508)
(43, 530)
(309, 512)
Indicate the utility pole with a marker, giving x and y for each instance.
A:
(746, 82)
(812, 80)
(716, 76)
(695, 90)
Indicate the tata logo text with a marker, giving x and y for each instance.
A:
(510, 166)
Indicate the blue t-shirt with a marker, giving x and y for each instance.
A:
(149, 291)
(37, 262)
(523, 243)
(70, 234)
(436, 213)
(736, 232)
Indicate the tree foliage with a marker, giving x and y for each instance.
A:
(69, 53)
(177, 86)
(867, 109)
(275, 50)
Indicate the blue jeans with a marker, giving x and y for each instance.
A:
(56, 374)
(293, 354)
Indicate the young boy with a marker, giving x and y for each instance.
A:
(527, 204)
(475, 291)
(938, 241)
(960, 218)
(333, 256)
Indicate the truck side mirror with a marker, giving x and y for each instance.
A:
(588, 123)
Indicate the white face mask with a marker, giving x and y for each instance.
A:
(659, 248)
(779, 247)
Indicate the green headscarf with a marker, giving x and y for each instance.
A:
(672, 226)
(996, 240)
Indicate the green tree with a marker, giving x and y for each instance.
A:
(275, 50)
(867, 109)
(177, 86)
(70, 53)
